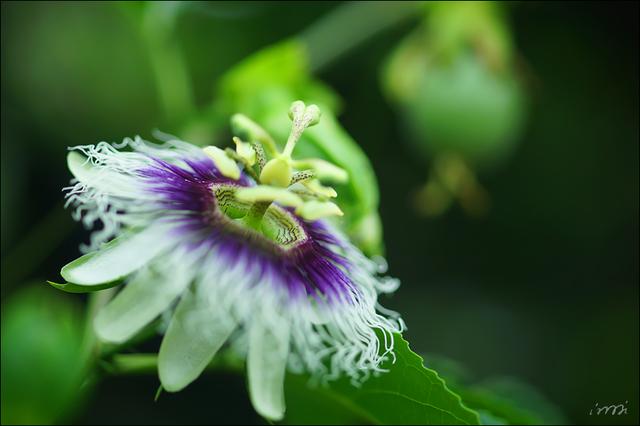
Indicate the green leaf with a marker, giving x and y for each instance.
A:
(408, 394)
(43, 362)
(280, 65)
(487, 418)
(74, 288)
(498, 400)
(512, 401)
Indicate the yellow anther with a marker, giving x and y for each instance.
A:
(245, 151)
(313, 210)
(226, 165)
(269, 193)
(317, 188)
(247, 129)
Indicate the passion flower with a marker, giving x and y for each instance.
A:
(234, 246)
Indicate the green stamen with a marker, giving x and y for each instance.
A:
(280, 177)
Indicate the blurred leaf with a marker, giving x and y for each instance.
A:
(133, 9)
(499, 400)
(42, 357)
(408, 394)
(486, 418)
(173, 83)
(231, 10)
(281, 65)
(263, 87)
(85, 76)
(12, 183)
(456, 26)
(512, 401)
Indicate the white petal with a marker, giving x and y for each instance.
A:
(117, 258)
(142, 300)
(266, 365)
(196, 332)
(101, 178)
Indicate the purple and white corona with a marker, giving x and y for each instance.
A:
(234, 246)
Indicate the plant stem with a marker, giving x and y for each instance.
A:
(172, 77)
(351, 24)
(123, 364)
(253, 218)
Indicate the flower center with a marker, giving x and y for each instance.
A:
(296, 184)
(277, 225)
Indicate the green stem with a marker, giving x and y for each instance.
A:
(171, 74)
(351, 24)
(254, 216)
(124, 364)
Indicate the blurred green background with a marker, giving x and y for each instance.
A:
(544, 287)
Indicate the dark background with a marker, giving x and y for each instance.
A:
(545, 288)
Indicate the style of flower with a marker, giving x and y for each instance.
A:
(232, 246)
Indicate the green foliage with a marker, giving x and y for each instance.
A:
(84, 67)
(512, 401)
(498, 400)
(408, 393)
(42, 357)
